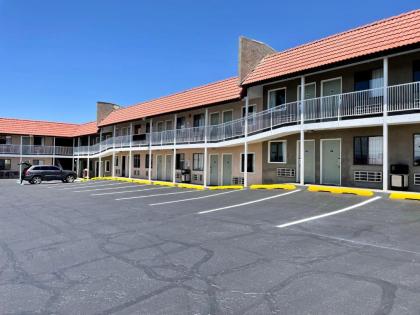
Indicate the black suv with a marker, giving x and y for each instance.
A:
(37, 173)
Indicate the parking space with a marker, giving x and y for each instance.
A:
(110, 247)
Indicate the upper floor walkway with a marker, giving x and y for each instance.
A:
(360, 108)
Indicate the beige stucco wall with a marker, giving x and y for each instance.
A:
(401, 148)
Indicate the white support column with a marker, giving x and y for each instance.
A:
(302, 132)
(150, 148)
(246, 144)
(385, 128)
(100, 151)
(53, 151)
(206, 119)
(78, 158)
(130, 158)
(72, 160)
(21, 160)
(113, 151)
(88, 159)
(174, 153)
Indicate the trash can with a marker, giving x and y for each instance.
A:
(185, 176)
(399, 176)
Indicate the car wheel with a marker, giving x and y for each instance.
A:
(37, 180)
(70, 179)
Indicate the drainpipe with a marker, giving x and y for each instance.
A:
(150, 148)
(174, 153)
(302, 132)
(246, 144)
(113, 151)
(205, 148)
(385, 127)
(88, 159)
(130, 159)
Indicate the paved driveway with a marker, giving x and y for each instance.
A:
(115, 248)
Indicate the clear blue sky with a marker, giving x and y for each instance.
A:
(57, 58)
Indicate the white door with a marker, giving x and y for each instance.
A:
(331, 161)
(309, 160)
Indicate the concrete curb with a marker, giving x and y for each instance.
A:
(404, 195)
(341, 190)
(274, 186)
(226, 187)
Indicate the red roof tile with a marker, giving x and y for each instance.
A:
(45, 128)
(373, 38)
(216, 92)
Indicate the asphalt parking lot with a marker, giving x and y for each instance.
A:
(104, 247)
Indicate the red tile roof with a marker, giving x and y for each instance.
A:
(373, 38)
(86, 129)
(213, 93)
(45, 128)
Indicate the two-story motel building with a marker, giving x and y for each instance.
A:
(350, 102)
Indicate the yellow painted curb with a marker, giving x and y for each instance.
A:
(192, 186)
(341, 190)
(159, 183)
(225, 187)
(274, 186)
(405, 195)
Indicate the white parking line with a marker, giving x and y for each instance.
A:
(88, 186)
(329, 213)
(174, 193)
(188, 199)
(249, 202)
(128, 191)
(107, 188)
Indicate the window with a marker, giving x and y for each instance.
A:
(251, 160)
(277, 151)
(371, 79)
(107, 166)
(252, 110)
(310, 91)
(160, 126)
(5, 164)
(38, 140)
(147, 161)
(416, 71)
(116, 161)
(198, 120)
(38, 162)
(5, 139)
(147, 127)
(276, 97)
(180, 161)
(136, 160)
(417, 150)
(169, 125)
(198, 161)
(368, 150)
(137, 129)
(180, 123)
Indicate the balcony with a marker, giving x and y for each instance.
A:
(402, 99)
(35, 150)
